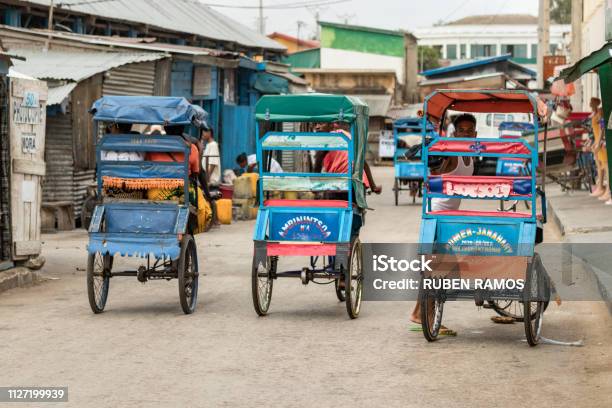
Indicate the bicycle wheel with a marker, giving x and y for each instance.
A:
(534, 297)
(354, 281)
(98, 280)
(432, 310)
(188, 275)
(262, 279)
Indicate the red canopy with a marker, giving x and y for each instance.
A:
(496, 101)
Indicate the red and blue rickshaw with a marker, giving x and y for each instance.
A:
(485, 245)
(325, 229)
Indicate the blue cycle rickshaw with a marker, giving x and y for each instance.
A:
(490, 247)
(326, 228)
(125, 222)
(408, 171)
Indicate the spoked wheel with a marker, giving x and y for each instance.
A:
(512, 308)
(261, 284)
(535, 297)
(432, 308)
(98, 279)
(353, 281)
(188, 275)
(340, 289)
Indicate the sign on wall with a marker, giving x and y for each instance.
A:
(202, 80)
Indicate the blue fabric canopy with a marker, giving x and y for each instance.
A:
(149, 110)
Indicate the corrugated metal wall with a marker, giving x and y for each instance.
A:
(238, 133)
(5, 188)
(130, 79)
(57, 185)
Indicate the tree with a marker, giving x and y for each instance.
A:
(561, 11)
(430, 57)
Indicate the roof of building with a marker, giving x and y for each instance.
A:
(183, 16)
(75, 66)
(500, 19)
(475, 63)
(298, 41)
(397, 33)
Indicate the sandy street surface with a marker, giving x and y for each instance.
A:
(143, 352)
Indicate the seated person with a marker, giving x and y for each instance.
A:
(248, 164)
(336, 161)
(465, 126)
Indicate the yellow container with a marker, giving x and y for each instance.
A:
(290, 195)
(253, 177)
(224, 211)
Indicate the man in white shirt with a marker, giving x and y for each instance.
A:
(248, 164)
(211, 160)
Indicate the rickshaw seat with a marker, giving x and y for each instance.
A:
(306, 203)
(472, 213)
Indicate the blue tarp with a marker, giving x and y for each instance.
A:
(412, 123)
(150, 110)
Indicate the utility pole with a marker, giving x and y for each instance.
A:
(543, 38)
(49, 26)
(300, 24)
(576, 48)
(262, 29)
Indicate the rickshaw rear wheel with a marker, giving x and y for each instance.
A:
(396, 188)
(432, 309)
(262, 283)
(535, 297)
(188, 275)
(98, 280)
(512, 308)
(353, 281)
(340, 289)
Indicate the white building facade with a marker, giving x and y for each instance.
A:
(469, 41)
(593, 38)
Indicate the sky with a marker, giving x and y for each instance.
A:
(390, 14)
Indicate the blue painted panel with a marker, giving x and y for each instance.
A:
(150, 218)
(483, 239)
(181, 79)
(509, 167)
(238, 133)
(304, 225)
(413, 170)
(161, 246)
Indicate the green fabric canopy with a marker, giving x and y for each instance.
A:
(316, 107)
(312, 107)
(587, 64)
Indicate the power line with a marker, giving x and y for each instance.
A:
(294, 5)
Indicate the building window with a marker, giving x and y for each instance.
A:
(516, 50)
(534, 50)
(451, 51)
(483, 50)
(462, 51)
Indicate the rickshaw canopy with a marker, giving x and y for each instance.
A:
(149, 110)
(485, 101)
(311, 107)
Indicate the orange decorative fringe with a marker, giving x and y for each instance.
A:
(141, 184)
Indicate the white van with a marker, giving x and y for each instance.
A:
(487, 124)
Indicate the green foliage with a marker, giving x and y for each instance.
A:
(430, 58)
(561, 11)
